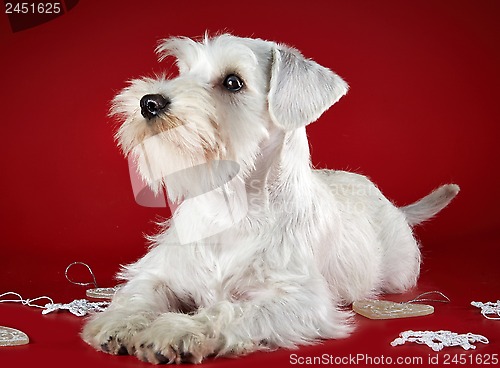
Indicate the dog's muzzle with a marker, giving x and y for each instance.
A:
(153, 105)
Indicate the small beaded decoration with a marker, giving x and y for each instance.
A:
(383, 309)
(12, 337)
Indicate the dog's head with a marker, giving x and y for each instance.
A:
(229, 94)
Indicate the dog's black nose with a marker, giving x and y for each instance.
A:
(153, 105)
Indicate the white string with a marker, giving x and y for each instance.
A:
(419, 298)
(79, 307)
(28, 302)
(81, 283)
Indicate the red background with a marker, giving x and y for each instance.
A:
(422, 111)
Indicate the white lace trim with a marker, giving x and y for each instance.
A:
(437, 340)
(489, 308)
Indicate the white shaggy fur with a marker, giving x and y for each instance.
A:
(263, 251)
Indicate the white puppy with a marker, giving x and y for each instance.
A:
(263, 250)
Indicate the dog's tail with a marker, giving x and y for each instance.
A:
(430, 205)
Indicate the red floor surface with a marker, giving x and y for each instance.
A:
(55, 341)
(422, 111)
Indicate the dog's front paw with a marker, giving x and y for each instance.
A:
(176, 338)
(183, 348)
(113, 333)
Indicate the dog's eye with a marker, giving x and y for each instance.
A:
(233, 83)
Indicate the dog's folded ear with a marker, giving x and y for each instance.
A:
(300, 89)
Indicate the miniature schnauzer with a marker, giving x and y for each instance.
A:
(263, 251)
